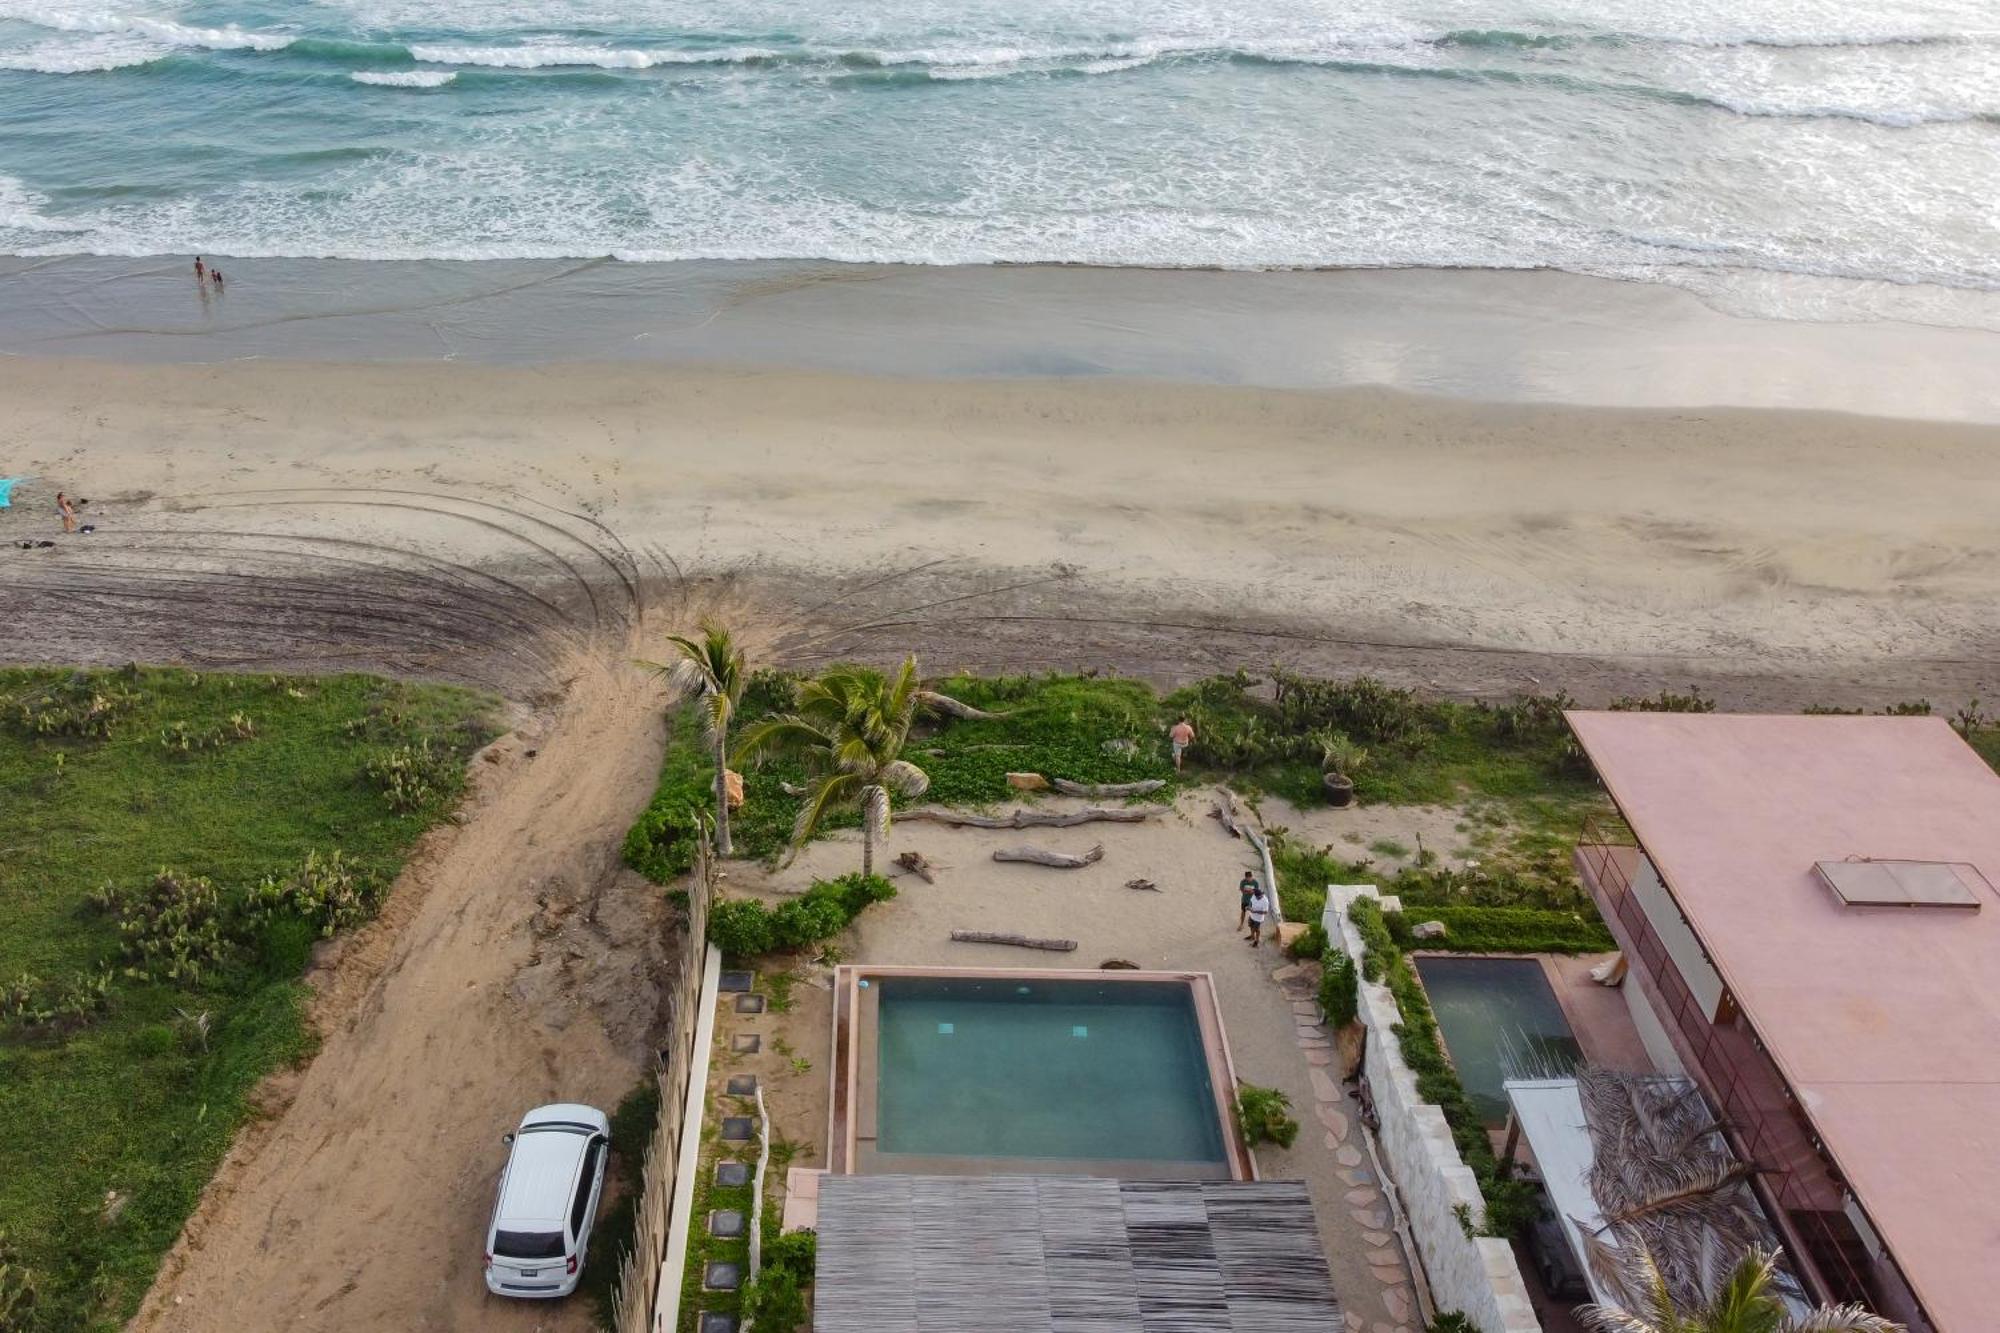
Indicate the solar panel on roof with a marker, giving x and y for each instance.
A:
(1892, 883)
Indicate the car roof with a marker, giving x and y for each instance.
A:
(573, 1113)
(540, 1175)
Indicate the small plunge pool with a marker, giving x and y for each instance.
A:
(1500, 1019)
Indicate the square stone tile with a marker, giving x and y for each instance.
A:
(721, 1276)
(736, 981)
(741, 1085)
(745, 1043)
(730, 1174)
(738, 1128)
(712, 1322)
(727, 1222)
(749, 1004)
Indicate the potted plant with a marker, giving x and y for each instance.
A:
(1340, 759)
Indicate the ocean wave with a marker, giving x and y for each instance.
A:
(413, 78)
(97, 57)
(543, 55)
(160, 30)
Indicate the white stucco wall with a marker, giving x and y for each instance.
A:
(1702, 979)
(1652, 1033)
(1476, 1275)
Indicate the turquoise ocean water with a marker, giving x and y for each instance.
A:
(1809, 158)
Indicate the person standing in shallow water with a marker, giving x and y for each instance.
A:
(200, 270)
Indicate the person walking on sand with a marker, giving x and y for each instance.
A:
(1182, 736)
(1260, 907)
(1245, 891)
(68, 511)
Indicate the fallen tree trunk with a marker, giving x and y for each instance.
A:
(916, 864)
(1031, 818)
(1018, 941)
(1068, 788)
(944, 703)
(1059, 860)
(1226, 811)
(1145, 884)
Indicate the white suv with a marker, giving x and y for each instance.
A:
(548, 1201)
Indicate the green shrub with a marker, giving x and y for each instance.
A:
(326, 892)
(1339, 988)
(1311, 942)
(1451, 1321)
(1513, 930)
(776, 1300)
(82, 704)
(1694, 701)
(1265, 1116)
(743, 928)
(415, 778)
(174, 927)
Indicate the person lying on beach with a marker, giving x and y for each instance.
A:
(68, 512)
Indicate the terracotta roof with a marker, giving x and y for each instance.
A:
(1884, 1020)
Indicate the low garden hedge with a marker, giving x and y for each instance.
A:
(744, 928)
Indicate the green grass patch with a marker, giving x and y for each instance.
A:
(227, 778)
(1511, 930)
(703, 1248)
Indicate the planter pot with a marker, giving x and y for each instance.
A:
(1339, 790)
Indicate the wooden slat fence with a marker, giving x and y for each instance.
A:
(639, 1268)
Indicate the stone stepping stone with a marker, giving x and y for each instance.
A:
(1335, 1121)
(732, 1174)
(1362, 1197)
(1376, 1238)
(721, 1275)
(725, 1222)
(715, 1322)
(749, 1004)
(1333, 1141)
(738, 1128)
(741, 1085)
(1373, 1218)
(1354, 1177)
(736, 981)
(1324, 1088)
(1348, 1155)
(1319, 1059)
(745, 1043)
(1398, 1302)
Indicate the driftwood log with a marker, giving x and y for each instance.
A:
(1068, 788)
(1018, 941)
(950, 707)
(1042, 857)
(1031, 818)
(918, 865)
(1145, 884)
(1226, 810)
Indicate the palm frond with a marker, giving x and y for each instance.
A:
(1843, 1319)
(1611, 1319)
(830, 791)
(781, 734)
(904, 778)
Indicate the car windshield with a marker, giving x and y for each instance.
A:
(528, 1244)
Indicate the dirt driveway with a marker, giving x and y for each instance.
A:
(514, 964)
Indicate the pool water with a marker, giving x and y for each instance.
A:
(1013, 1068)
(1500, 1020)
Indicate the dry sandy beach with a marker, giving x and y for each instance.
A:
(439, 517)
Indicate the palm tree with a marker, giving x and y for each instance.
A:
(711, 669)
(849, 727)
(1743, 1305)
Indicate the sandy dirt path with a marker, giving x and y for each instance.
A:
(512, 966)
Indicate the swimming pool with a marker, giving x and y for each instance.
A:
(972, 1072)
(1500, 1019)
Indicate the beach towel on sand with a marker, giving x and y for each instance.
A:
(7, 485)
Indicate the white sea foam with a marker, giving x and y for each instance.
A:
(415, 78)
(543, 55)
(160, 30)
(92, 56)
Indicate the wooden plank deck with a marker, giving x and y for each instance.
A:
(1069, 1254)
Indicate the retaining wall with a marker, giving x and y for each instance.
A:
(1476, 1275)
